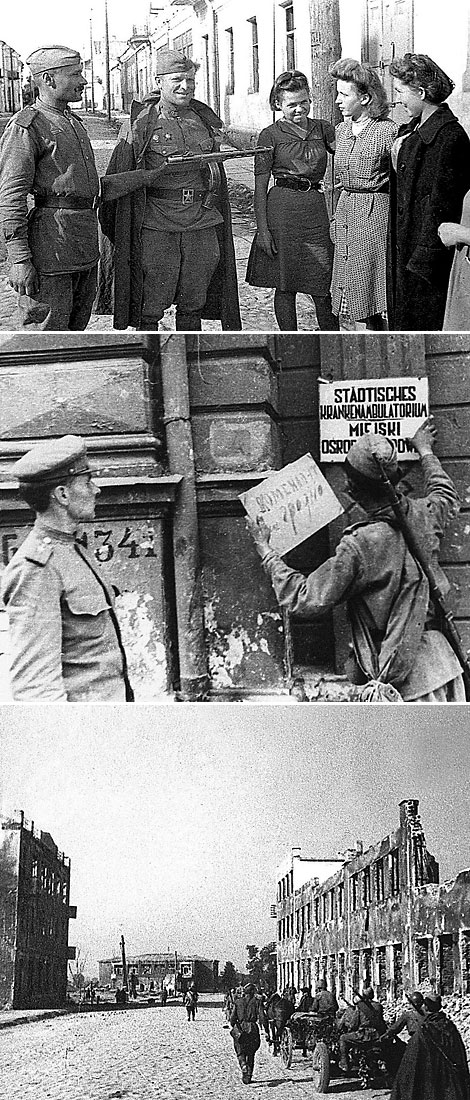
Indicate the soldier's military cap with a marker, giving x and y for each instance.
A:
(433, 1002)
(361, 464)
(51, 461)
(172, 61)
(51, 57)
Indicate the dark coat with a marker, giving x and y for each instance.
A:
(121, 222)
(434, 1065)
(428, 187)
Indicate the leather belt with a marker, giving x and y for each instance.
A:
(64, 202)
(187, 196)
(383, 190)
(299, 184)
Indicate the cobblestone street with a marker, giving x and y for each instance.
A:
(141, 1055)
(256, 304)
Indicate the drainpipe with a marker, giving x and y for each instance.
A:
(194, 675)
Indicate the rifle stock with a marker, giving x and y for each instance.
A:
(449, 628)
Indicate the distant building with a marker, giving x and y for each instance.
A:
(34, 917)
(157, 970)
(381, 918)
(11, 68)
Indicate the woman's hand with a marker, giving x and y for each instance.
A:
(450, 233)
(266, 243)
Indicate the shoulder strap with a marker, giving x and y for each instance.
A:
(25, 117)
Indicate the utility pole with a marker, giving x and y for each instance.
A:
(106, 54)
(92, 64)
(325, 45)
(124, 963)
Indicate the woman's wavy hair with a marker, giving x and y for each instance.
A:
(366, 81)
(291, 81)
(421, 71)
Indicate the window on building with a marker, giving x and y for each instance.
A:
(324, 908)
(355, 971)
(324, 968)
(317, 912)
(316, 970)
(379, 880)
(355, 892)
(297, 922)
(422, 959)
(254, 55)
(34, 875)
(446, 964)
(184, 43)
(366, 892)
(394, 872)
(290, 39)
(466, 962)
(230, 62)
(333, 973)
(381, 963)
(331, 905)
(309, 916)
(397, 984)
(341, 974)
(341, 899)
(279, 930)
(367, 965)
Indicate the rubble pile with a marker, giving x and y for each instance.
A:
(456, 1007)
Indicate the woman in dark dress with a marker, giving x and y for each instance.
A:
(431, 158)
(292, 250)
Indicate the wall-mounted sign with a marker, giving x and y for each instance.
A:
(294, 502)
(392, 407)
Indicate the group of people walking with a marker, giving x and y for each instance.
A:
(166, 238)
(430, 1066)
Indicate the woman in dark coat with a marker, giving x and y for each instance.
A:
(431, 159)
(292, 250)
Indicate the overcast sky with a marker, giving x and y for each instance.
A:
(175, 818)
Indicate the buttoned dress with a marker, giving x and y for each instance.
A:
(298, 220)
(359, 227)
(46, 153)
(65, 640)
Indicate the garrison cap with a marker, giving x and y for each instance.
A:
(361, 458)
(51, 461)
(172, 61)
(51, 57)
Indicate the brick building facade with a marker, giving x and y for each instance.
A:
(34, 917)
(153, 971)
(381, 918)
(177, 428)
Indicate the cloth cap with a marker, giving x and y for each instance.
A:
(433, 1002)
(361, 458)
(305, 989)
(51, 57)
(368, 993)
(172, 61)
(53, 460)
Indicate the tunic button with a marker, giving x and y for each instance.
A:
(47, 540)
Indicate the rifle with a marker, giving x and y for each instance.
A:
(449, 628)
(218, 156)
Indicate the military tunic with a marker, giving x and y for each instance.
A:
(46, 153)
(64, 636)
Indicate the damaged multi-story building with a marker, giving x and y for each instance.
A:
(34, 917)
(377, 916)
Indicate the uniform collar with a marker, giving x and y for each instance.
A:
(53, 532)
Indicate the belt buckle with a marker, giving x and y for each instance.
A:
(188, 196)
(308, 186)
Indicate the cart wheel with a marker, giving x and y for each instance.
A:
(321, 1068)
(287, 1047)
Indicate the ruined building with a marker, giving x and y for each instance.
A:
(34, 917)
(154, 971)
(380, 917)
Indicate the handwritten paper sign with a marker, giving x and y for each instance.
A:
(391, 407)
(294, 502)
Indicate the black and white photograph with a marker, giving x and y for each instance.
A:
(235, 550)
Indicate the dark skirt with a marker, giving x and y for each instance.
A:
(299, 223)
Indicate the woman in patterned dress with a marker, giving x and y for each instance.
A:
(292, 250)
(362, 171)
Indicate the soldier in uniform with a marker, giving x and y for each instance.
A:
(65, 639)
(396, 633)
(247, 1013)
(45, 153)
(172, 239)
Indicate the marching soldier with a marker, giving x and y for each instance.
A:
(45, 153)
(65, 639)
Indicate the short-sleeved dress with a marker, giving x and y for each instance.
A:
(457, 315)
(298, 220)
(359, 228)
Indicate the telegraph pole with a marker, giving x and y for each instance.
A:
(106, 54)
(124, 963)
(92, 64)
(325, 49)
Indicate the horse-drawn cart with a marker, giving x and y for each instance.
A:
(315, 1034)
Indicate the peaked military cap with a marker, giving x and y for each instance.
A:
(51, 57)
(172, 61)
(52, 460)
(361, 458)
